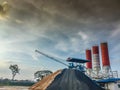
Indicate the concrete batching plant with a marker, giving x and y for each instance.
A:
(94, 64)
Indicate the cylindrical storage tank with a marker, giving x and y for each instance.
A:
(105, 54)
(96, 59)
(88, 57)
(105, 58)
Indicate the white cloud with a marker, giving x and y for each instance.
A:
(116, 32)
(3, 64)
(61, 45)
(83, 35)
(115, 49)
(75, 44)
(19, 21)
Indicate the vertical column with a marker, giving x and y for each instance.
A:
(96, 60)
(105, 57)
(89, 57)
(89, 64)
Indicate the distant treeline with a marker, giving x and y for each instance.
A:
(8, 82)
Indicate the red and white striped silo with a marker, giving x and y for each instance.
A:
(105, 57)
(89, 64)
(105, 54)
(95, 59)
(88, 57)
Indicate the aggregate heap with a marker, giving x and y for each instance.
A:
(67, 79)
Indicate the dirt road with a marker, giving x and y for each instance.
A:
(13, 88)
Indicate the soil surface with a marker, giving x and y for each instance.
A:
(13, 88)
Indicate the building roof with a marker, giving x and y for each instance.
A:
(77, 60)
(109, 80)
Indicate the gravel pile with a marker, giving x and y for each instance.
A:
(68, 79)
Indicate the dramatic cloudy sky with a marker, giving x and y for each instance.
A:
(61, 28)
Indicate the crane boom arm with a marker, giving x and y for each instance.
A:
(51, 57)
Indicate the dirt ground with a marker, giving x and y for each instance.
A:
(13, 88)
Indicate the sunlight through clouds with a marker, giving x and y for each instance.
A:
(57, 27)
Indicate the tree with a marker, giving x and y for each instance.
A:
(14, 69)
(38, 75)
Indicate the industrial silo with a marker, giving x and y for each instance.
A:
(105, 58)
(89, 64)
(96, 59)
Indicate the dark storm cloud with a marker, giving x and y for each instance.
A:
(62, 27)
(64, 19)
(67, 11)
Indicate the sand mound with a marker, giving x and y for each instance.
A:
(44, 83)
